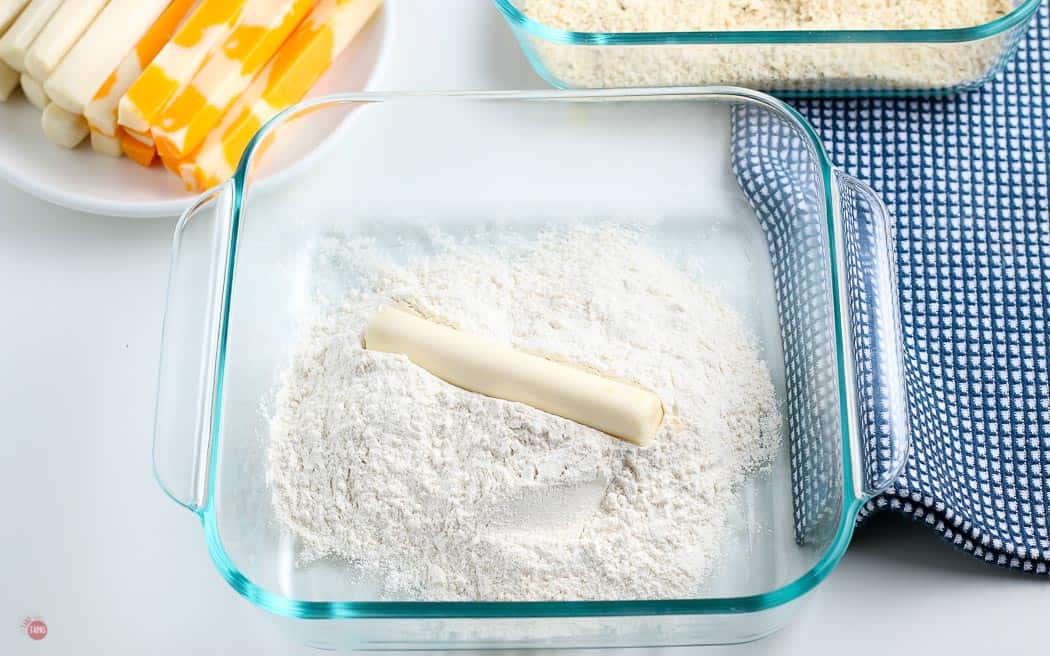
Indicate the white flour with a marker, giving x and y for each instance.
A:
(765, 66)
(443, 494)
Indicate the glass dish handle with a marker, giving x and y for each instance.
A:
(875, 335)
(189, 352)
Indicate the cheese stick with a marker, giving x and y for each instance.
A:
(9, 78)
(62, 127)
(101, 111)
(144, 138)
(296, 67)
(618, 408)
(19, 37)
(105, 144)
(86, 66)
(137, 151)
(169, 161)
(9, 11)
(175, 65)
(58, 36)
(33, 91)
(263, 27)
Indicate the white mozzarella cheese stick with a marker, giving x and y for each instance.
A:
(612, 406)
(20, 36)
(87, 65)
(9, 11)
(33, 91)
(8, 81)
(59, 35)
(62, 127)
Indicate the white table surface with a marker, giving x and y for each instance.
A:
(91, 545)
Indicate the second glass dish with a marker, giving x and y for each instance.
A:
(788, 62)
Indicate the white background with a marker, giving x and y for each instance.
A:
(91, 544)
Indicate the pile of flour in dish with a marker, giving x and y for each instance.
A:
(442, 494)
(719, 15)
(849, 65)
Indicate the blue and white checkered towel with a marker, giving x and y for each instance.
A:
(966, 178)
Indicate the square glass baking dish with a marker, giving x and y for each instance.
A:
(728, 179)
(790, 63)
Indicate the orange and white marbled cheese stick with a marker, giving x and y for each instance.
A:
(101, 111)
(296, 67)
(143, 137)
(264, 25)
(136, 151)
(176, 63)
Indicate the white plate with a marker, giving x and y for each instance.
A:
(84, 180)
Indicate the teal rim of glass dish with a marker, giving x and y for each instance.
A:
(327, 610)
(1019, 14)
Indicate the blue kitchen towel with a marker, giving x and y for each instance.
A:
(966, 178)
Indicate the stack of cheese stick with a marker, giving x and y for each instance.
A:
(185, 82)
